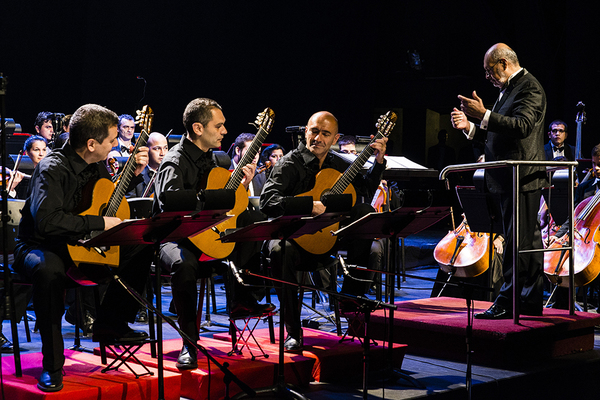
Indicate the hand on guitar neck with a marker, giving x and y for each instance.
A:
(248, 170)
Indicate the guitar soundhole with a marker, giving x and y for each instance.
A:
(324, 195)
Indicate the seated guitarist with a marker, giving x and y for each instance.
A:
(50, 222)
(295, 174)
(184, 170)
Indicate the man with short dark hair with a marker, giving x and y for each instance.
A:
(43, 125)
(51, 221)
(556, 146)
(184, 170)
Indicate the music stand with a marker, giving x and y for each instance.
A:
(282, 228)
(483, 209)
(399, 223)
(165, 227)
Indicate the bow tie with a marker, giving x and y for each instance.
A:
(124, 149)
(561, 149)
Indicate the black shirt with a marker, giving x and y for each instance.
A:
(184, 168)
(51, 212)
(295, 174)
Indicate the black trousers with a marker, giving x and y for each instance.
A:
(47, 269)
(530, 290)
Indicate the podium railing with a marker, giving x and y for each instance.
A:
(516, 166)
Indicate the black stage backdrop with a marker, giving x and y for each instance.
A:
(352, 58)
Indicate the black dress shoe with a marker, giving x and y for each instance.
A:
(188, 358)
(243, 309)
(142, 316)
(50, 381)
(117, 333)
(495, 312)
(88, 321)
(6, 345)
(292, 344)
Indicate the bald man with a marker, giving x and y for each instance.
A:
(295, 174)
(512, 130)
(158, 148)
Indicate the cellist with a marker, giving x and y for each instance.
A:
(582, 192)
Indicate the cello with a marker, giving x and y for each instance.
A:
(586, 238)
(462, 252)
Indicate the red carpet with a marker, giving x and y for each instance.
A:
(437, 327)
(259, 373)
(83, 380)
(334, 361)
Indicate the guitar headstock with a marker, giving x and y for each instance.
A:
(144, 118)
(386, 123)
(265, 119)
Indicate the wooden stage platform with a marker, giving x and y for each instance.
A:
(436, 327)
(320, 360)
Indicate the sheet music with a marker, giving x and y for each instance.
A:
(393, 162)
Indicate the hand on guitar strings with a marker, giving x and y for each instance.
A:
(111, 222)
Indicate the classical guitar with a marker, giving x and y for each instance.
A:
(330, 181)
(220, 178)
(108, 199)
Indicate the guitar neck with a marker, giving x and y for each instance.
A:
(350, 173)
(125, 178)
(238, 174)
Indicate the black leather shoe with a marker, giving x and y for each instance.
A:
(292, 344)
(495, 312)
(118, 333)
(142, 316)
(88, 321)
(50, 382)
(242, 309)
(188, 358)
(6, 345)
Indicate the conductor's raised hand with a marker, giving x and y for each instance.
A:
(459, 119)
(472, 107)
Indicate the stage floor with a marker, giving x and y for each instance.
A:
(570, 376)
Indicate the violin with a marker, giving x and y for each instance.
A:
(463, 253)
(380, 199)
(263, 168)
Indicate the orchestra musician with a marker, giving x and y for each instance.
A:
(35, 147)
(157, 150)
(50, 222)
(512, 130)
(295, 174)
(183, 170)
(582, 192)
(241, 144)
(44, 127)
(269, 157)
(556, 146)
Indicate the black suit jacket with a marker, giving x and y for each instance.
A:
(569, 151)
(516, 132)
